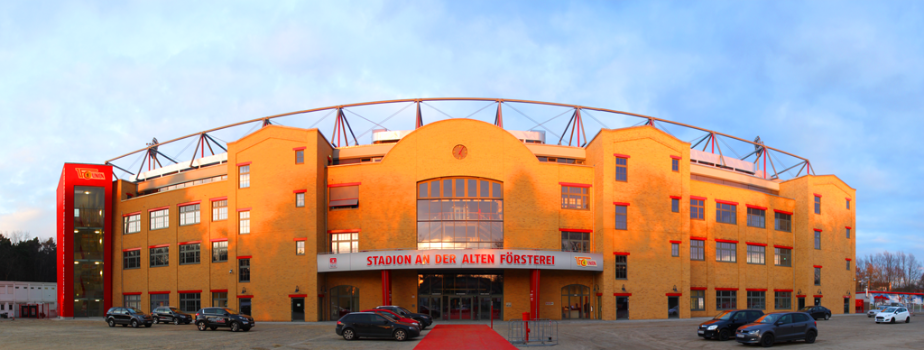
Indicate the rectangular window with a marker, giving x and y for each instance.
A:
(697, 250)
(300, 200)
(343, 243)
(190, 302)
(578, 242)
(131, 259)
(675, 164)
(848, 204)
(160, 256)
(243, 268)
(783, 222)
(300, 248)
(726, 213)
(726, 252)
(344, 197)
(848, 265)
(757, 300)
(573, 197)
(622, 267)
(622, 169)
(131, 301)
(219, 299)
(697, 209)
(189, 254)
(244, 218)
(158, 300)
(189, 214)
(848, 233)
(244, 177)
(160, 219)
(756, 254)
(782, 257)
(817, 205)
(131, 224)
(675, 205)
(621, 217)
(300, 156)
(726, 300)
(756, 217)
(817, 240)
(782, 300)
(220, 251)
(817, 276)
(697, 300)
(220, 210)
(675, 249)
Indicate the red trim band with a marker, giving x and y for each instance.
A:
(574, 184)
(725, 240)
(300, 239)
(694, 238)
(349, 230)
(783, 290)
(190, 242)
(698, 288)
(617, 155)
(816, 266)
(132, 293)
(782, 247)
(218, 199)
(698, 198)
(130, 249)
(599, 294)
(130, 214)
(243, 209)
(243, 163)
(848, 227)
(219, 290)
(575, 230)
(756, 289)
(158, 208)
(676, 197)
(726, 289)
(782, 211)
(817, 195)
(298, 295)
(245, 257)
(299, 148)
(800, 296)
(755, 243)
(188, 203)
(245, 296)
(218, 240)
(726, 202)
(675, 242)
(621, 253)
(818, 296)
(345, 184)
(848, 259)
(816, 229)
(299, 191)
(188, 291)
(622, 294)
(162, 292)
(158, 246)
(676, 157)
(621, 203)
(673, 294)
(755, 206)
(848, 199)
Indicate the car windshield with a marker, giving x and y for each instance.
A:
(724, 316)
(174, 309)
(891, 309)
(807, 308)
(230, 311)
(770, 318)
(387, 316)
(132, 310)
(404, 311)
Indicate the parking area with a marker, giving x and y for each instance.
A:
(841, 332)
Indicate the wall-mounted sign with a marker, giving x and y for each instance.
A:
(550, 303)
(460, 259)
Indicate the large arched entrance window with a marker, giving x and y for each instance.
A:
(343, 300)
(459, 213)
(575, 302)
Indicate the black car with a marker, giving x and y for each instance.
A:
(128, 316)
(779, 326)
(374, 325)
(723, 325)
(817, 312)
(214, 317)
(171, 314)
(425, 320)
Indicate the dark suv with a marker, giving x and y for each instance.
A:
(817, 312)
(171, 314)
(373, 325)
(128, 316)
(779, 326)
(214, 317)
(723, 326)
(425, 320)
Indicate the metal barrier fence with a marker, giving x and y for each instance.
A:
(541, 332)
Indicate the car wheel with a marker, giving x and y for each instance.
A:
(111, 322)
(235, 326)
(176, 321)
(124, 325)
(908, 319)
(348, 334)
(187, 322)
(200, 325)
(400, 335)
(723, 335)
(148, 325)
(893, 320)
(213, 328)
(827, 317)
(810, 337)
(767, 341)
(134, 324)
(246, 329)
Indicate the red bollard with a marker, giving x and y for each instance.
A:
(526, 327)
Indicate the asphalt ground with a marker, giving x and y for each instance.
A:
(841, 332)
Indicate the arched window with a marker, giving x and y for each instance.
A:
(575, 302)
(460, 212)
(343, 300)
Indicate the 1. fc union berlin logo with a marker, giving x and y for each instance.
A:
(90, 174)
(585, 261)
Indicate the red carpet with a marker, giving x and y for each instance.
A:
(463, 337)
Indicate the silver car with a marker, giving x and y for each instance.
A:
(872, 312)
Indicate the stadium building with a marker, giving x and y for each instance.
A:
(458, 218)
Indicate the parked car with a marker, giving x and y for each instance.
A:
(817, 312)
(214, 317)
(374, 325)
(723, 325)
(393, 315)
(425, 320)
(128, 316)
(892, 314)
(872, 312)
(779, 326)
(171, 314)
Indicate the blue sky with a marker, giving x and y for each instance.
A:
(840, 83)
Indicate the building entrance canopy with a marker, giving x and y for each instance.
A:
(460, 259)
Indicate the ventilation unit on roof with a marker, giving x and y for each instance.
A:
(529, 136)
(388, 136)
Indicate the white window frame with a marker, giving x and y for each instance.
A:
(160, 219)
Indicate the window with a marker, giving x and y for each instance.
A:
(160, 256)
(675, 249)
(817, 276)
(578, 242)
(344, 197)
(675, 205)
(160, 219)
(244, 217)
(244, 177)
(158, 300)
(782, 257)
(131, 301)
(817, 204)
(756, 254)
(189, 254)
(726, 300)
(783, 222)
(300, 200)
(219, 299)
(848, 203)
(243, 268)
(818, 240)
(621, 267)
(190, 302)
(782, 300)
(697, 300)
(848, 265)
(756, 217)
(697, 209)
(621, 220)
(757, 300)
(697, 250)
(622, 169)
(459, 213)
(300, 156)
(131, 259)
(726, 252)
(726, 213)
(343, 243)
(675, 164)
(189, 214)
(220, 210)
(848, 233)
(131, 223)
(220, 251)
(300, 248)
(573, 197)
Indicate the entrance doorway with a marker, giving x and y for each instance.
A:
(846, 305)
(245, 307)
(575, 302)
(801, 303)
(622, 308)
(298, 309)
(343, 300)
(452, 296)
(817, 301)
(673, 307)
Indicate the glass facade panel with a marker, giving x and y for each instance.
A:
(89, 217)
(456, 218)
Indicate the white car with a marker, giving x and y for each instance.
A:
(894, 314)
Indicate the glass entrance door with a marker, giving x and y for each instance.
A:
(431, 306)
(298, 309)
(459, 308)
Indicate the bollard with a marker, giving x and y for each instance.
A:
(526, 327)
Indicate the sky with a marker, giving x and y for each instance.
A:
(838, 82)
